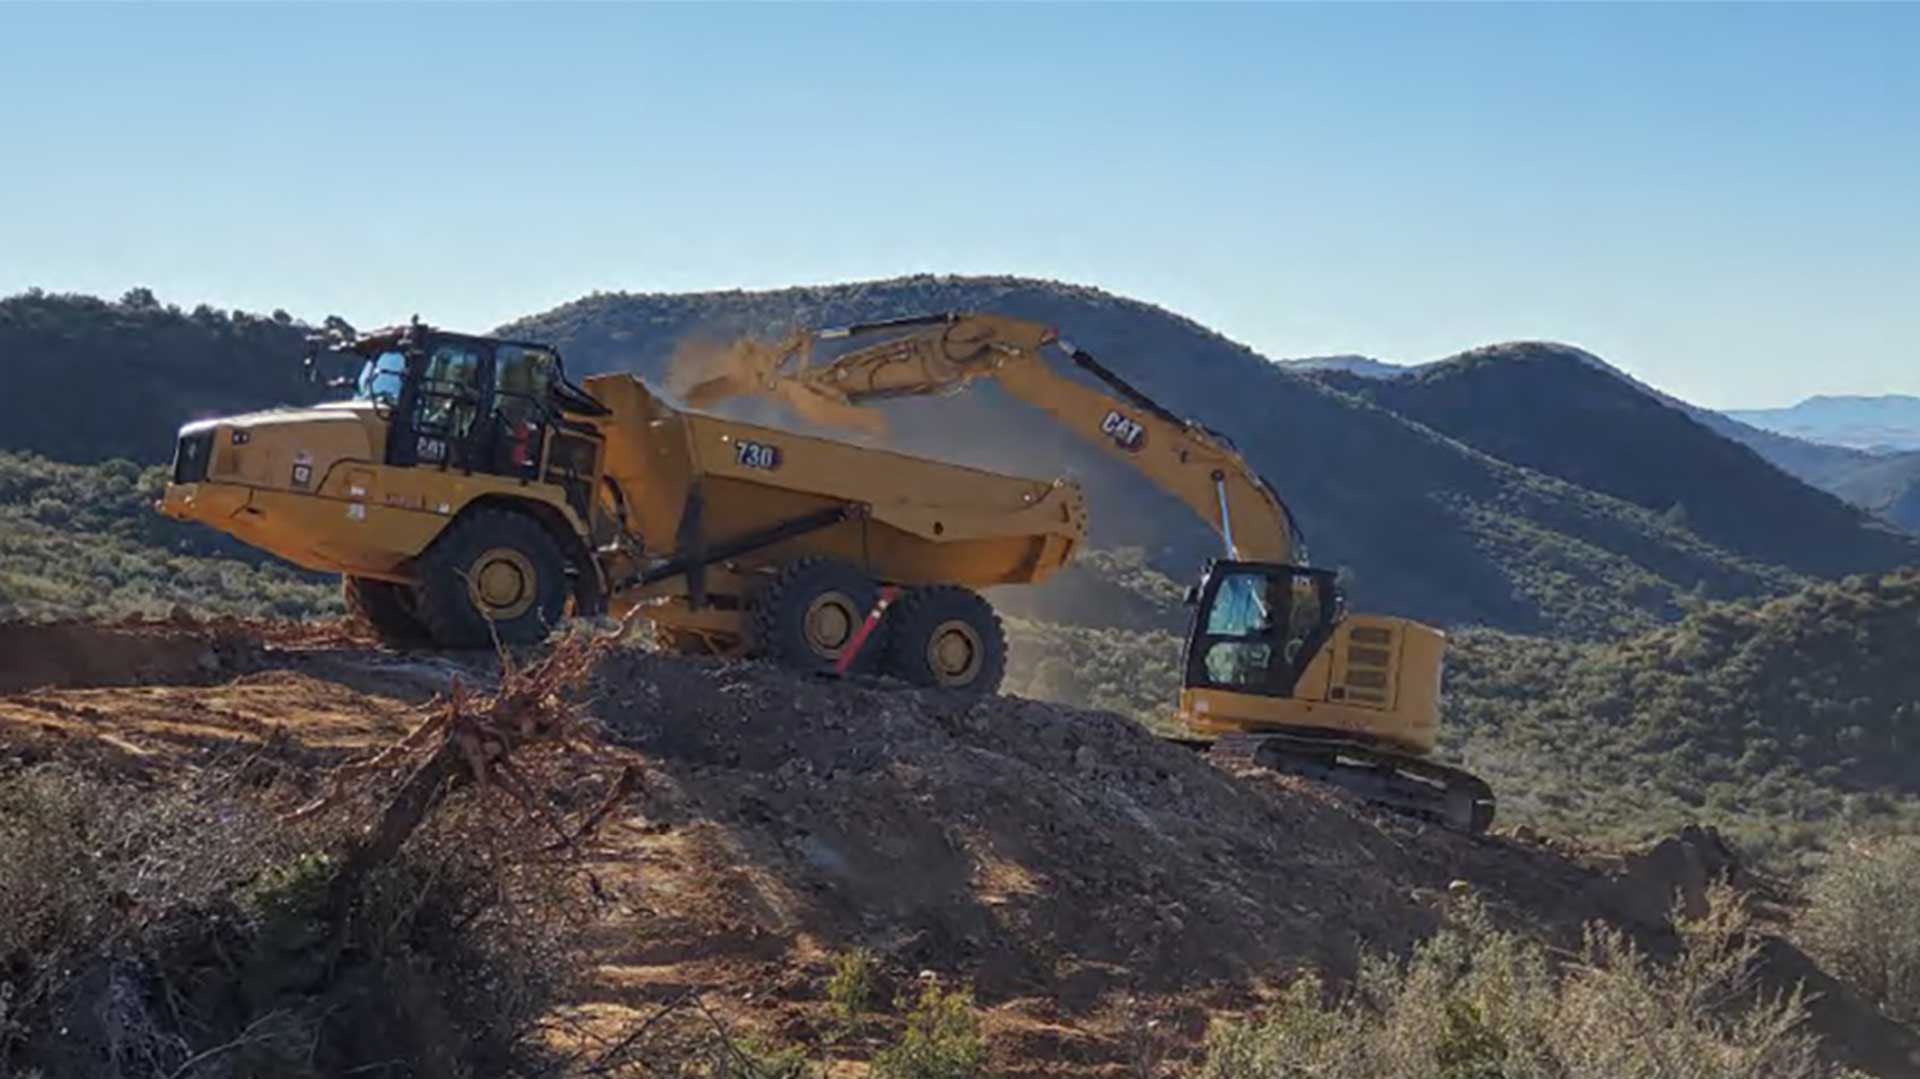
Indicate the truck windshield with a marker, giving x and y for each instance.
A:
(380, 378)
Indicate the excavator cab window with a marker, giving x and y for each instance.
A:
(1257, 625)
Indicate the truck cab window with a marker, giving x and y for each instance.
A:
(446, 403)
(382, 377)
(522, 378)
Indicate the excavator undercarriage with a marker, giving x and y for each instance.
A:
(1413, 786)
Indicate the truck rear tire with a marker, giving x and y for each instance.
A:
(386, 607)
(948, 637)
(492, 573)
(811, 612)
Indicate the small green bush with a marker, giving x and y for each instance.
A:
(1863, 922)
(850, 987)
(942, 1039)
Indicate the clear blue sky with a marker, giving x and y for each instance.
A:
(1723, 200)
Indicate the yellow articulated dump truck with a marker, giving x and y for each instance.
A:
(470, 492)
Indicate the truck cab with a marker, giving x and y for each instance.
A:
(439, 426)
(477, 405)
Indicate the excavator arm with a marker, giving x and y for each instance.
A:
(939, 354)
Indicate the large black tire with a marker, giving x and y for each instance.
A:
(949, 637)
(492, 573)
(811, 611)
(386, 607)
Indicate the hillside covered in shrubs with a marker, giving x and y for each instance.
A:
(1556, 410)
(1781, 721)
(85, 540)
(91, 380)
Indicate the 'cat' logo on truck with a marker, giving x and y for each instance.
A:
(1126, 434)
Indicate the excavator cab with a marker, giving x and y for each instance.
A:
(1257, 625)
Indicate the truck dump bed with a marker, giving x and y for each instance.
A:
(914, 521)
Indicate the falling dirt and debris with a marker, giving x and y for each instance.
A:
(744, 826)
(705, 373)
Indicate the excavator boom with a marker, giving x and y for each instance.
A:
(939, 354)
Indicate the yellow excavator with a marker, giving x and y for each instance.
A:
(1276, 673)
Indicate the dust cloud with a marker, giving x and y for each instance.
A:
(705, 372)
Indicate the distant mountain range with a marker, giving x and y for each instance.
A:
(1558, 410)
(1864, 449)
(1889, 423)
(1363, 366)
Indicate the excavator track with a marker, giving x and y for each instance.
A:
(1413, 786)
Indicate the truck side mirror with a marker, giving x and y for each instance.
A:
(1193, 596)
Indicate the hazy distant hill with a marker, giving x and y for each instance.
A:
(1882, 424)
(1424, 523)
(1364, 366)
(1551, 408)
(1886, 484)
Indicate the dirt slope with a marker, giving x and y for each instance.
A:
(1080, 874)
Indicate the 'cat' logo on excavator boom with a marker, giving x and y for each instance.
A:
(1126, 433)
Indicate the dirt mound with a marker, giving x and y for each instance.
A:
(1064, 862)
(178, 651)
(1040, 850)
(34, 654)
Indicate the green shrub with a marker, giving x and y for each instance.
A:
(1477, 1002)
(1863, 922)
(942, 1039)
(850, 987)
(148, 927)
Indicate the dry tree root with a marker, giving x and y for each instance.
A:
(476, 738)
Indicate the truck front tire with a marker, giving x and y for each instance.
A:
(386, 607)
(492, 574)
(948, 637)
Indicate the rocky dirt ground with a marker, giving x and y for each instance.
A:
(1106, 894)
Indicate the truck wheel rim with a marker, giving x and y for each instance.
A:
(503, 583)
(829, 623)
(955, 653)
